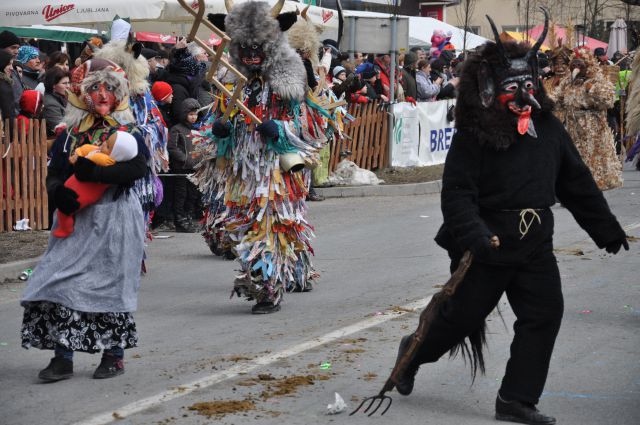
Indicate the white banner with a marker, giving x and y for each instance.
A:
(422, 135)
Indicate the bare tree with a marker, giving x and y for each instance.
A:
(464, 14)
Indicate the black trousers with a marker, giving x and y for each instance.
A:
(535, 295)
(165, 211)
(185, 198)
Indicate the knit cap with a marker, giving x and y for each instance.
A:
(338, 69)
(26, 53)
(125, 148)
(161, 90)
(7, 38)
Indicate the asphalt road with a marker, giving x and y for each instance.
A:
(378, 262)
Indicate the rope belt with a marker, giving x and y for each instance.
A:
(525, 224)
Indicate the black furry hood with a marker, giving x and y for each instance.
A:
(493, 126)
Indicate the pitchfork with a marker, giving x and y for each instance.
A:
(426, 318)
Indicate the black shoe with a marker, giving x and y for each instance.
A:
(314, 197)
(110, 366)
(522, 413)
(59, 368)
(405, 383)
(265, 308)
(183, 226)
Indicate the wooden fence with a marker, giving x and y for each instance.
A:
(23, 168)
(367, 138)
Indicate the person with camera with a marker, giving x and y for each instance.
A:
(427, 82)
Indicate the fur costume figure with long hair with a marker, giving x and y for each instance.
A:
(251, 179)
(585, 95)
(145, 110)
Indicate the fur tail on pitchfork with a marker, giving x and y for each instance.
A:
(473, 350)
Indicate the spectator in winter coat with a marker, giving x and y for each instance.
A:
(56, 83)
(7, 104)
(181, 161)
(339, 75)
(29, 57)
(164, 214)
(408, 80)
(367, 92)
(427, 89)
(185, 76)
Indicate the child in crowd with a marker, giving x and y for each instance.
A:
(163, 94)
(181, 161)
(120, 146)
(31, 103)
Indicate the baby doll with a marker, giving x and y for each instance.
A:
(120, 146)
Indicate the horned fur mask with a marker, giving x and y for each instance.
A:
(259, 46)
(500, 91)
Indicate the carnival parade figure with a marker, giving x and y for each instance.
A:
(585, 95)
(122, 51)
(252, 184)
(83, 291)
(509, 160)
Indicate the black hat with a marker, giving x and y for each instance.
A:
(599, 52)
(149, 53)
(7, 38)
(163, 54)
(369, 73)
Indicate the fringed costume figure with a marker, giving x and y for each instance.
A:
(83, 292)
(251, 180)
(509, 160)
(585, 95)
(148, 117)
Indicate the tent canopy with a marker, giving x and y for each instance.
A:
(519, 37)
(53, 33)
(561, 32)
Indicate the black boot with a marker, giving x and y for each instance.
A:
(405, 382)
(265, 308)
(522, 413)
(59, 368)
(314, 196)
(183, 225)
(109, 367)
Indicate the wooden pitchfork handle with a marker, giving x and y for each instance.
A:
(426, 318)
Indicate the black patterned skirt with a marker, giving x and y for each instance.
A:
(46, 324)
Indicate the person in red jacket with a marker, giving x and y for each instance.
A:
(31, 103)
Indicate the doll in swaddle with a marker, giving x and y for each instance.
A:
(120, 146)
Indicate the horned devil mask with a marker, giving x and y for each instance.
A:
(259, 45)
(513, 83)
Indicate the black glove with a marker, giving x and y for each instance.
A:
(221, 129)
(66, 200)
(84, 169)
(268, 129)
(614, 246)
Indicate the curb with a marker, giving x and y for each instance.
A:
(12, 270)
(425, 188)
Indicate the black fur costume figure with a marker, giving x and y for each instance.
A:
(509, 160)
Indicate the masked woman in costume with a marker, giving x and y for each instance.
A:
(585, 95)
(509, 159)
(83, 291)
(252, 182)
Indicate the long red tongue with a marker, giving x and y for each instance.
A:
(523, 121)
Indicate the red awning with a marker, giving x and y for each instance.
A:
(154, 37)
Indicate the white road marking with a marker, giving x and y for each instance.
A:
(631, 227)
(232, 372)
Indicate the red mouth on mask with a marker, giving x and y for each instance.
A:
(251, 61)
(523, 112)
